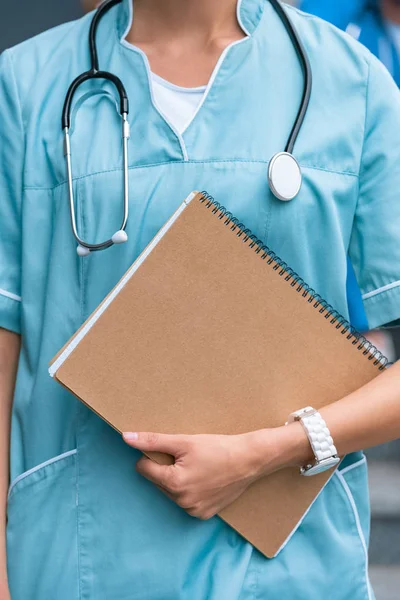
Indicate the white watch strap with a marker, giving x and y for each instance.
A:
(319, 435)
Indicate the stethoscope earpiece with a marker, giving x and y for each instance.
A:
(82, 251)
(284, 176)
(119, 237)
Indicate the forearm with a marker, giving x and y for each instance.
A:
(9, 352)
(365, 418)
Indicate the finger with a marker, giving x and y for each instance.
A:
(155, 442)
(157, 474)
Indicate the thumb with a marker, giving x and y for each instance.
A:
(155, 442)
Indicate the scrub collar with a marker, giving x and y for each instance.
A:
(249, 14)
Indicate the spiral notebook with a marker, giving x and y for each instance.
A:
(210, 332)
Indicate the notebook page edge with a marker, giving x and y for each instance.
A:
(59, 359)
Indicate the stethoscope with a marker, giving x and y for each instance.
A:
(284, 172)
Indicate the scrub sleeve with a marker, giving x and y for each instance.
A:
(11, 166)
(375, 241)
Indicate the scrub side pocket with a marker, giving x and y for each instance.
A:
(327, 556)
(354, 480)
(354, 483)
(42, 532)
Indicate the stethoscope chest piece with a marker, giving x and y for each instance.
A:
(284, 176)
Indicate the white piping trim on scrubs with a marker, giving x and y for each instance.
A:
(220, 61)
(125, 43)
(10, 295)
(89, 324)
(389, 286)
(358, 524)
(38, 467)
(217, 67)
(302, 518)
(353, 466)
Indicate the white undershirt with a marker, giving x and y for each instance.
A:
(177, 104)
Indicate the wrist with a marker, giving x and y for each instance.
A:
(280, 447)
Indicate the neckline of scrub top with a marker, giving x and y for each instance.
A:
(177, 103)
(249, 13)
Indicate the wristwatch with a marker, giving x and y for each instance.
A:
(320, 439)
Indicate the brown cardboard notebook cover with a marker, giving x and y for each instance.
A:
(208, 334)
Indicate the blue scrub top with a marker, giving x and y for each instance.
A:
(82, 524)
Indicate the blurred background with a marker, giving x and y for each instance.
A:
(24, 18)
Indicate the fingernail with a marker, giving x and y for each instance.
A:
(130, 437)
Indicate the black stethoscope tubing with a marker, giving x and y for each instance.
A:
(307, 74)
(275, 181)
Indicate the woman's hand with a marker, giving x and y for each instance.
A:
(211, 471)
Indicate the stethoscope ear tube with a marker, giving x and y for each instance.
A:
(84, 248)
(123, 96)
(307, 73)
(284, 172)
(100, 12)
(94, 72)
(120, 236)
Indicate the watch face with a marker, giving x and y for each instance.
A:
(324, 465)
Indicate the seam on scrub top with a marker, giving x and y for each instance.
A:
(267, 228)
(385, 288)
(10, 295)
(9, 54)
(83, 266)
(365, 116)
(183, 162)
(78, 522)
(354, 465)
(332, 171)
(360, 532)
(82, 307)
(21, 124)
(39, 467)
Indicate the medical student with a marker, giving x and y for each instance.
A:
(82, 523)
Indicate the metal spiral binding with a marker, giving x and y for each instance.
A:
(297, 282)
